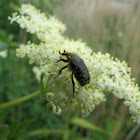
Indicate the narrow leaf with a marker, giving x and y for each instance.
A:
(86, 124)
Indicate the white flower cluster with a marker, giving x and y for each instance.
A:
(3, 53)
(106, 73)
(37, 23)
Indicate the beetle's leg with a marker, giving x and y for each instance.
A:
(61, 71)
(73, 84)
(62, 60)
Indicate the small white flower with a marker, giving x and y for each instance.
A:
(37, 72)
(56, 110)
(21, 51)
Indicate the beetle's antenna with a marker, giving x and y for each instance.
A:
(60, 53)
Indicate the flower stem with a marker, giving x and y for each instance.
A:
(41, 82)
(23, 99)
(107, 92)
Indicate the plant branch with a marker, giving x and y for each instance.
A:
(23, 99)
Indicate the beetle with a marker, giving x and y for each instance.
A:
(78, 68)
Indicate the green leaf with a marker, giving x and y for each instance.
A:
(19, 131)
(4, 130)
(45, 132)
(3, 46)
(86, 124)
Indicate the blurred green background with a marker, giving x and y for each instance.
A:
(111, 26)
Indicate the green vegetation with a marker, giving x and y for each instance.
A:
(109, 30)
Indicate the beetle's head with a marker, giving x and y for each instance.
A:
(68, 55)
(64, 53)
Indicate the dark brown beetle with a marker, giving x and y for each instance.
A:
(78, 68)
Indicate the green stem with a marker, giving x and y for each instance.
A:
(23, 99)
(107, 92)
(41, 82)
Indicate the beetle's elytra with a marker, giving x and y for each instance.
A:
(78, 68)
